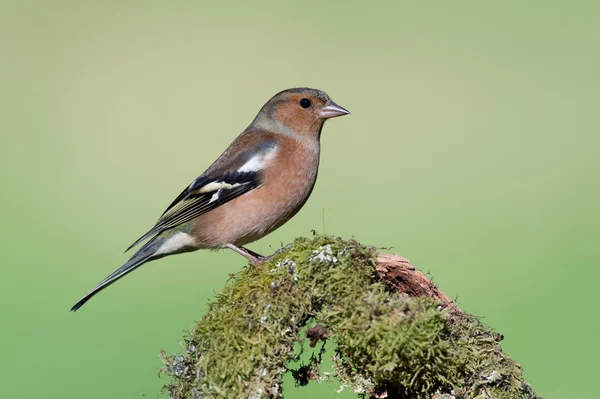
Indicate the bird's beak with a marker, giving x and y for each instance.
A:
(332, 110)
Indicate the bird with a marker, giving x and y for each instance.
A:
(255, 186)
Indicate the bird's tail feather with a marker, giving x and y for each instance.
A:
(145, 254)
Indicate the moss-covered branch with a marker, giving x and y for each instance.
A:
(397, 335)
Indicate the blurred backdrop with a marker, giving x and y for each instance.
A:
(472, 149)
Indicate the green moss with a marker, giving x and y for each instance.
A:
(385, 342)
(489, 372)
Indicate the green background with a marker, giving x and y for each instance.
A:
(472, 149)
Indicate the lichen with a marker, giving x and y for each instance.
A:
(387, 344)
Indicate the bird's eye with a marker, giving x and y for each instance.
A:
(305, 103)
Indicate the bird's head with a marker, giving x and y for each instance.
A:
(300, 111)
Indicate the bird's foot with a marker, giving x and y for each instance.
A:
(254, 258)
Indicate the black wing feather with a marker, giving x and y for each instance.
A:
(192, 203)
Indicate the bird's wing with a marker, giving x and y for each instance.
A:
(236, 172)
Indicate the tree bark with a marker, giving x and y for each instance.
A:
(399, 274)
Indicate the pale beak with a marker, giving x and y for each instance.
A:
(332, 110)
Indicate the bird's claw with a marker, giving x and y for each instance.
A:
(257, 259)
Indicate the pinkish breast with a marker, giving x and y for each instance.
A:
(287, 183)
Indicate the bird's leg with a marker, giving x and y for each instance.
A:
(263, 258)
(254, 258)
(251, 252)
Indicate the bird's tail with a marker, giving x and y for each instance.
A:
(145, 254)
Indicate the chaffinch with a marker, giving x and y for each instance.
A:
(261, 180)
